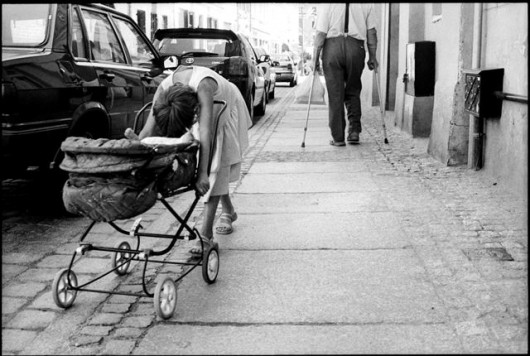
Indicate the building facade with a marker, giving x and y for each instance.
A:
(465, 36)
(266, 25)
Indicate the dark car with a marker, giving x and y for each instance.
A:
(224, 51)
(285, 69)
(268, 71)
(70, 70)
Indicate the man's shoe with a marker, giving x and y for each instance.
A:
(353, 138)
(337, 143)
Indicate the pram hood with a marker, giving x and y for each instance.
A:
(84, 155)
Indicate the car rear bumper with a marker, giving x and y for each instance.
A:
(284, 77)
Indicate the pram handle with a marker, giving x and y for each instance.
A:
(137, 129)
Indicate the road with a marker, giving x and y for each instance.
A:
(370, 248)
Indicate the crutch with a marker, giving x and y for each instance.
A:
(309, 105)
(381, 104)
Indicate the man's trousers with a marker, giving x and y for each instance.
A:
(343, 64)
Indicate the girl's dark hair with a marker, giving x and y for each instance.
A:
(174, 110)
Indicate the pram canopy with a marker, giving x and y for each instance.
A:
(119, 179)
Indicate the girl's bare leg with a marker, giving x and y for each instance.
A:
(210, 207)
(226, 204)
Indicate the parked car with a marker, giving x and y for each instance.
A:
(268, 71)
(228, 53)
(70, 70)
(285, 69)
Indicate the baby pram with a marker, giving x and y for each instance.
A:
(113, 180)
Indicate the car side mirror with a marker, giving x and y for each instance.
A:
(171, 62)
(264, 58)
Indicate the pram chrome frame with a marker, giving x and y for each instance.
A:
(65, 286)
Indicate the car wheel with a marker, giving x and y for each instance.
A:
(260, 110)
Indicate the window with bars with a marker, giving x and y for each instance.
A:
(154, 23)
(140, 19)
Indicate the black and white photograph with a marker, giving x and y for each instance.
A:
(264, 178)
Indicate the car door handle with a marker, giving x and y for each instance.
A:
(107, 76)
(146, 77)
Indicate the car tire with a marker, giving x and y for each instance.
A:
(260, 109)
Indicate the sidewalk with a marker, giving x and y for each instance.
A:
(361, 249)
(370, 248)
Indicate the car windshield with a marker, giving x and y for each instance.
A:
(197, 47)
(25, 25)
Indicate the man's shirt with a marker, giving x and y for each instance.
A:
(330, 20)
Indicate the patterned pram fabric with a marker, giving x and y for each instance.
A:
(119, 179)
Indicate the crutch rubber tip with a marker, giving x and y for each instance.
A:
(386, 141)
(303, 144)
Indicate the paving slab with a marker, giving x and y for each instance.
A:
(376, 286)
(319, 231)
(303, 203)
(307, 167)
(299, 339)
(307, 183)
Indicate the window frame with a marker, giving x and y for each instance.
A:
(115, 17)
(75, 10)
(113, 28)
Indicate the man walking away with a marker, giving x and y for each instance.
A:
(341, 40)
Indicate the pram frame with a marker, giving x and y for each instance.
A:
(65, 278)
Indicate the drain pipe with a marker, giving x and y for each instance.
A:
(476, 124)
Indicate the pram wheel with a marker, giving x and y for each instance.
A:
(165, 297)
(120, 257)
(210, 264)
(63, 294)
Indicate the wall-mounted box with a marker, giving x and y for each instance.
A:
(480, 87)
(420, 65)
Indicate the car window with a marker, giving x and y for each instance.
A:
(104, 44)
(249, 49)
(77, 43)
(139, 50)
(25, 24)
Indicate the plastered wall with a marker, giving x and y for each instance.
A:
(505, 45)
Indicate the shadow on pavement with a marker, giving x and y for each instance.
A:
(36, 194)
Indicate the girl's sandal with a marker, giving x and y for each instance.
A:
(225, 223)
